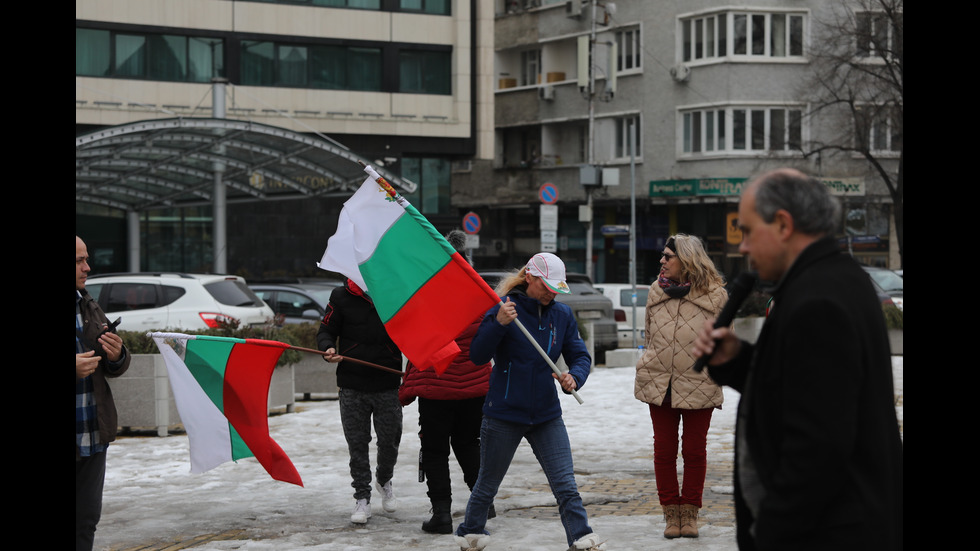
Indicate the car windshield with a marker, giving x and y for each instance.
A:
(626, 296)
(322, 296)
(581, 288)
(233, 293)
(888, 280)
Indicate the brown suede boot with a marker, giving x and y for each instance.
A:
(672, 517)
(689, 521)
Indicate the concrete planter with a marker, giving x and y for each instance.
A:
(313, 375)
(895, 339)
(144, 400)
(143, 397)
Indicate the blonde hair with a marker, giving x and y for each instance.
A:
(696, 265)
(511, 280)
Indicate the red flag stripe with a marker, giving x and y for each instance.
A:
(248, 375)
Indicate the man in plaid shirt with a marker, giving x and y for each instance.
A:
(99, 353)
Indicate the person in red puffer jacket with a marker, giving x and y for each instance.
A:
(450, 414)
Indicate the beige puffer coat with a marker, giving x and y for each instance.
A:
(671, 327)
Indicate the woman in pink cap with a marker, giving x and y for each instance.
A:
(522, 402)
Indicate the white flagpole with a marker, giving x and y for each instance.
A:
(543, 353)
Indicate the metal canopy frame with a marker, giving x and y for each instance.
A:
(173, 162)
(184, 162)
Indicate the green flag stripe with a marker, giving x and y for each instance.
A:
(405, 259)
(433, 233)
(207, 364)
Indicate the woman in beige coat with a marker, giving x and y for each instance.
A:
(688, 291)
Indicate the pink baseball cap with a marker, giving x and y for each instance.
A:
(551, 270)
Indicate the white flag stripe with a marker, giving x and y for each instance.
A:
(365, 218)
(207, 428)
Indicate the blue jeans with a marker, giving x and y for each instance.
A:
(549, 442)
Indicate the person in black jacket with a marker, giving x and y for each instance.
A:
(351, 327)
(818, 451)
(99, 353)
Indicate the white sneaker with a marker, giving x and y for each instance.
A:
(388, 501)
(588, 543)
(472, 542)
(362, 512)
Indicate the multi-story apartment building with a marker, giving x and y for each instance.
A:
(396, 82)
(716, 91)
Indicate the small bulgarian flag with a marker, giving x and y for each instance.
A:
(221, 387)
(425, 292)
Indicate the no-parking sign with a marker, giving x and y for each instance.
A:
(471, 223)
(548, 193)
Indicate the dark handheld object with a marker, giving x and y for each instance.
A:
(110, 327)
(741, 288)
(96, 346)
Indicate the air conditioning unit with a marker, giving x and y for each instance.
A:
(498, 246)
(681, 72)
(546, 93)
(573, 8)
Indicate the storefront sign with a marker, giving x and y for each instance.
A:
(717, 187)
(733, 187)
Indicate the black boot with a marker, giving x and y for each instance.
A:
(442, 518)
(492, 512)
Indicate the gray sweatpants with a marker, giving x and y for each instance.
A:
(356, 410)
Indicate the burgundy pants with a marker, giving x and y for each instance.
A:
(694, 442)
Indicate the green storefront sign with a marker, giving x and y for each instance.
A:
(732, 187)
(697, 187)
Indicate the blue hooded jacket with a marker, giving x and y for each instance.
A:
(522, 389)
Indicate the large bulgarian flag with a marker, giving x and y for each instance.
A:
(221, 387)
(425, 292)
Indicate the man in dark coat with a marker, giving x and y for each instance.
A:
(819, 455)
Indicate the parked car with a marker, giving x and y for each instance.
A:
(888, 284)
(177, 301)
(621, 295)
(589, 305)
(296, 302)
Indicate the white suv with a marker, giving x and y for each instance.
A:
(157, 301)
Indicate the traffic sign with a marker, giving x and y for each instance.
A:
(471, 223)
(548, 193)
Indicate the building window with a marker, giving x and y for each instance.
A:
(354, 4)
(425, 72)
(432, 176)
(168, 57)
(879, 128)
(734, 130)
(628, 48)
(624, 126)
(530, 67)
(879, 35)
(756, 35)
(329, 67)
(435, 7)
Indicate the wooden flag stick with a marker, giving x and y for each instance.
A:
(349, 359)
